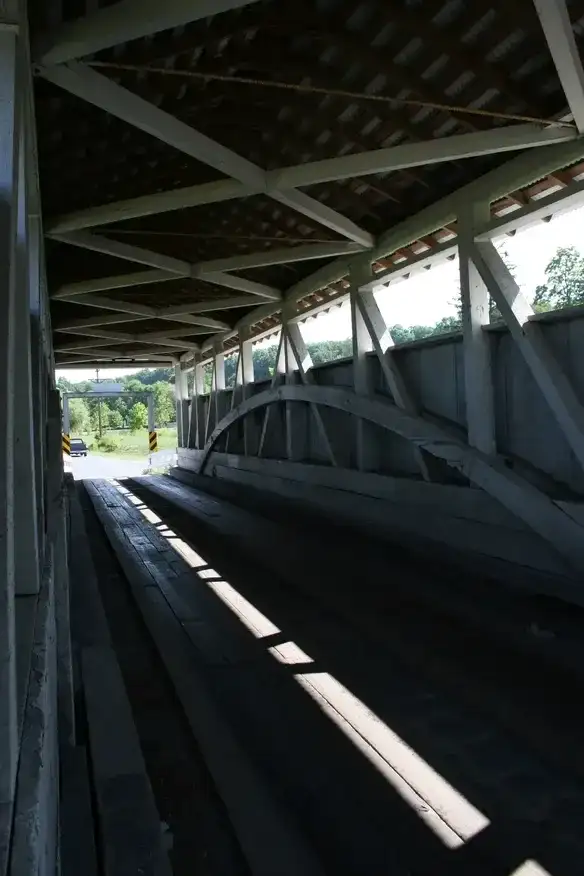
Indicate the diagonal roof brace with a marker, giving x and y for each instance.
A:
(99, 90)
(557, 27)
(122, 22)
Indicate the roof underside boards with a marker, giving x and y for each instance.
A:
(484, 55)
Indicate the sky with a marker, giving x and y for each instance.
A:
(427, 297)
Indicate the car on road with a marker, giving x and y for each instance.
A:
(78, 447)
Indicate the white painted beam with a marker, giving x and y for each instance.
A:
(123, 22)
(177, 267)
(556, 204)
(102, 92)
(231, 281)
(324, 215)
(557, 27)
(175, 313)
(303, 360)
(362, 344)
(285, 255)
(126, 337)
(383, 344)
(122, 353)
(150, 205)
(507, 139)
(122, 281)
(97, 320)
(96, 243)
(545, 369)
(87, 331)
(377, 161)
(518, 173)
(212, 305)
(478, 375)
(206, 321)
(97, 89)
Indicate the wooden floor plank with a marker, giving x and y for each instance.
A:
(269, 838)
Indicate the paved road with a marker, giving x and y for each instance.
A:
(105, 467)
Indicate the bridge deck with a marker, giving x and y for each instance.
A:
(348, 723)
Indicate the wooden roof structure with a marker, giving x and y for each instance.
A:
(272, 91)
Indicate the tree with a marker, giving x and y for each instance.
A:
(95, 415)
(115, 420)
(164, 405)
(138, 417)
(65, 385)
(78, 416)
(564, 286)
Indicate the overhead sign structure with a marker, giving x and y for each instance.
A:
(104, 392)
(108, 388)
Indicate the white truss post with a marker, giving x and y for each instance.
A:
(289, 380)
(279, 369)
(8, 218)
(383, 343)
(300, 353)
(544, 367)
(219, 383)
(478, 375)
(247, 377)
(197, 437)
(362, 345)
(182, 405)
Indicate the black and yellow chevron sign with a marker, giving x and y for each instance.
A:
(153, 439)
(66, 444)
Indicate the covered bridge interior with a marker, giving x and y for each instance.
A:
(344, 634)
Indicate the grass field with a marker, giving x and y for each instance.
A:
(129, 445)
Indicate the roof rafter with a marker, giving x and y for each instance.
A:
(557, 27)
(106, 94)
(280, 183)
(123, 22)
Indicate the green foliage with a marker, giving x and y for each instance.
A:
(564, 286)
(78, 415)
(148, 377)
(94, 408)
(107, 444)
(138, 417)
(164, 404)
(115, 420)
(65, 385)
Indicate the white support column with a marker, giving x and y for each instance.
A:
(26, 554)
(247, 376)
(289, 379)
(8, 218)
(544, 367)
(382, 343)
(182, 405)
(218, 384)
(197, 438)
(362, 344)
(300, 353)
(279, 369)
(478, 378)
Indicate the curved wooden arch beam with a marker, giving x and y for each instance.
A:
(521, 498)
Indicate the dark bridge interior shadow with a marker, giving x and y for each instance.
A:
(347, 797)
